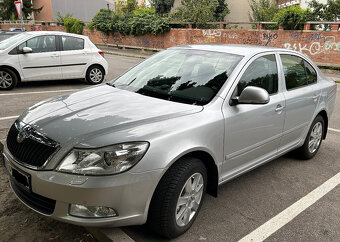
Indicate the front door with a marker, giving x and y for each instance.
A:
(44, 61)
(253, 132)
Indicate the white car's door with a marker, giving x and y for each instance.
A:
(43, 63)
(302, 98)
(75, 56)
(253, 131)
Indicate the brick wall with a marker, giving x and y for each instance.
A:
(322, 47)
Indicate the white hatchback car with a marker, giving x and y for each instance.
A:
(47, 55)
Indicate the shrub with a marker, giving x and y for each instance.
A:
(61, 19)
(74, 25)
(139, 22)
(293, 18)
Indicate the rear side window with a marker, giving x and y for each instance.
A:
(261, 73)
(298, 72)
(72, 43)
(311, 73)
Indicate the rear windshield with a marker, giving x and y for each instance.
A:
(12, 40)
(180, 75)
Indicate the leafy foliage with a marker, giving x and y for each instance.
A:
(262, 10)
(197, 11)
(325, 12)
(74, 25)
(126, 6)
(221, 10)
(162, 6)
(293, 18)
(139, 22)
(61, 19)
(8, 11)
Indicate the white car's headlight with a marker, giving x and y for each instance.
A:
(104, 161)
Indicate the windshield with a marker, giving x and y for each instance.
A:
(186, 76)
(12, 40)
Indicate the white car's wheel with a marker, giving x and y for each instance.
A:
(8, 79)
(95, 75)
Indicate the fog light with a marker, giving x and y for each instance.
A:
(91, 211)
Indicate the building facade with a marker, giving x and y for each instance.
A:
(303, 3)
(81, 9)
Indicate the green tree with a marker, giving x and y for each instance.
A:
(197, 11)
(325, 12)
(8, 10)
(126, 6)
(221, 10)
(162, 6)
(262, 10)
(293, 18)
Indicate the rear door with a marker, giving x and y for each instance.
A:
(253, 132)
(75, 56)
(44, 61)
(302, 98)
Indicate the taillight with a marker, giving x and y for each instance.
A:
(101, 53)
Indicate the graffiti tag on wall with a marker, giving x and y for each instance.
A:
(321, 44)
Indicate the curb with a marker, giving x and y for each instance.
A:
(126, 55)
(109, 234)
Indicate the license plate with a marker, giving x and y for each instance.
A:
(18, 176)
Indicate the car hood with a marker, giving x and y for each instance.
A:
(99, 110)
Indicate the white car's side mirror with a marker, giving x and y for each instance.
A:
(26, 50)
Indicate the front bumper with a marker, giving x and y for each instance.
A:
(128, 193)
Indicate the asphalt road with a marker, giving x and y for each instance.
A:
(243, 204)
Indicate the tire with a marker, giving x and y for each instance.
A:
(95, 75)
(8, 79)
(172, 189)
(313, 140)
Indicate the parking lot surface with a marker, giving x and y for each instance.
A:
(243, 204)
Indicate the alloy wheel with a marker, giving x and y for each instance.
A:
(6, 80)
(96, 75)
(189, 199)
(315, 137)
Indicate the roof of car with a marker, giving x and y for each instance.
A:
(236, 49)
(37, 33)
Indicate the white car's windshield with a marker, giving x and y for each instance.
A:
(182, 75)
(12, 40)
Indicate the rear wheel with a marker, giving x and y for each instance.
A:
(8, 79)
(178, 198)
(313, 140)
(95, 75)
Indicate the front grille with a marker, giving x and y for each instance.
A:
(35, 201)
(29, 151)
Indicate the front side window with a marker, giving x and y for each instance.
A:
(72, 43)
(260, 73)
(40, 44)
(186, 76)
(298, 72)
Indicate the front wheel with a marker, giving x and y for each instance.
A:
(178, 198)
(95, 75)
(313, 140)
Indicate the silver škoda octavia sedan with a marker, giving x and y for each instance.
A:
(147, 146)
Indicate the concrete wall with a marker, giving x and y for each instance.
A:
(46, 13)
(321, 47)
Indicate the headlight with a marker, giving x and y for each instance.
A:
(105, 161)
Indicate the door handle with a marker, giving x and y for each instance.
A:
(54, 55)
(279, 108)
(315, 98)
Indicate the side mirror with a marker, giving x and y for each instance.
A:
(26, 50)
(252, 95)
